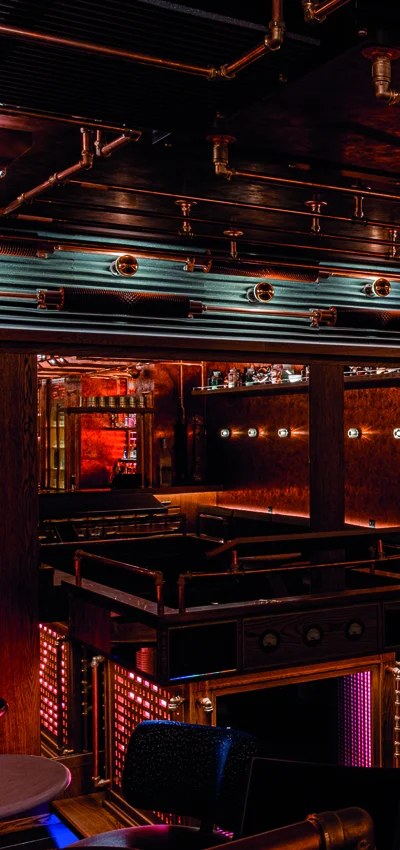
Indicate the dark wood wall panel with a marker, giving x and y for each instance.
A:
(267, 470)
(272, 471)
(19, 633)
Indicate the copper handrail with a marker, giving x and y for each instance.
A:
(235, 570)
(345, 829)
(157, 575)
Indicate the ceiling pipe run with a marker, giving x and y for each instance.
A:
(203, 261)
(222, 167)
(82, 300)
(85, 163)
(90, 124)
(273, 41)
(317, 12)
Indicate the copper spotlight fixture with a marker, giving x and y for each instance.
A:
(262, 292)
(125, 265)
(380, 287)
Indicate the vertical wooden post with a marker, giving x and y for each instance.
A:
(19, 560)
(326, 426)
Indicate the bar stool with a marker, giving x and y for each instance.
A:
(184, 769)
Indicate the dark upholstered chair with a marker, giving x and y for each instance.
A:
(195, 771)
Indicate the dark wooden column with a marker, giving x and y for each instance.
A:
(19, 635)
(326, 426)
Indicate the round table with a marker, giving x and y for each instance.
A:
(29, 781)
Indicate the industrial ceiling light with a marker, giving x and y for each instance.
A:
(225, 433)
(354, 433)
(125, 265)
(283, 432)
(252, 432)
(380, 288)
(262, 292)
(396, 433)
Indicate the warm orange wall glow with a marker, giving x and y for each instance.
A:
(271, 471)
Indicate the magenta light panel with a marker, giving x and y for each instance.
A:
(355, 720)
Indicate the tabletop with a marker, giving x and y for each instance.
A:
(29, 781)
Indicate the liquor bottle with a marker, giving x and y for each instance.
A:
(165, 464)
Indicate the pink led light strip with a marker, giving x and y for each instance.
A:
(355, 720)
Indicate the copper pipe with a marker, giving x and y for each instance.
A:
(142, 213)
(243, 205)
(90, 123)
(341, 830)
(304, 184)
(317, 12)
(102, 50)
(158, 577)
(230, 70)
(108, 149)
(57, 179)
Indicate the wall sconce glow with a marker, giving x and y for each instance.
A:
(252, 432)
(354, 433)
(396, 433)
(283, 432)
(225, 432)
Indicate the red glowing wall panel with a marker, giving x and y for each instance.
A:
(100, 448)
(53, 679)
(135, 699)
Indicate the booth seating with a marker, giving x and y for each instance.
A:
(189, 770)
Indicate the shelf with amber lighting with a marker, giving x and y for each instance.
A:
(129, 411)
(286, 387)
(389, 379)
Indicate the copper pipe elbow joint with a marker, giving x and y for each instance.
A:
(309, 13)
(274, 38)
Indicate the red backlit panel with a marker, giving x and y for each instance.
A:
(355, 720)
(53, 678)
(135, 699)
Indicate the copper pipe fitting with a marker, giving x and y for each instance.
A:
(275, 35)
(233, 236)
(221, 155)
(185, 207)
(316, 207)
(382, 59)
(317, 12)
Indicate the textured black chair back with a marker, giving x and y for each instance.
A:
(191, 770)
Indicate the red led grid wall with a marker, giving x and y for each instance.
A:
(135, 699)
(53, 677)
